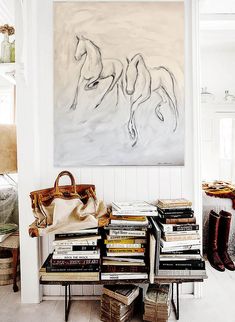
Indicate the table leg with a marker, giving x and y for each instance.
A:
(15, 255)
(176, 307)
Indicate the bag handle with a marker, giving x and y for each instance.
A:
(61, 174)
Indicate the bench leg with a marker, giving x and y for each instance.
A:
(15, 255)
(176, 306)
(67, 301)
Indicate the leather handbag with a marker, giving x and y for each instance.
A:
(65, 208)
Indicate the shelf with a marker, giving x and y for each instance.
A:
(7, 71)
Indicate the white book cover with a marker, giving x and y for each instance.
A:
(133, 206)
(123, 276)
(75, 243)
(76, 252)
(59, 256)
(179, 248)
(134, 233)
(113, 254)
(129, 223)
(188, 242)
(134, 213)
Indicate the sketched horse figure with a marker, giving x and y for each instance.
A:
(138, 86)
(163, 82)
(94, 69)
(141, 83)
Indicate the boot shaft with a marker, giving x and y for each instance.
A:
(224, 229)
(213, 230)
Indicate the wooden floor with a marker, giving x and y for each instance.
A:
(216, 305)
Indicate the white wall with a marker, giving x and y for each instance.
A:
(218, 69)
(35, 117)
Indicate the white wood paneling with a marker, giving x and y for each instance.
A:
(120, 183)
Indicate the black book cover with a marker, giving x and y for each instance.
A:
(74, 262)
(184, 252)
(175, 210)
(81, 268)
(186, 264)
(123, 269)
(176, 215)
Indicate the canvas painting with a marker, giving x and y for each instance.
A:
(118, 83)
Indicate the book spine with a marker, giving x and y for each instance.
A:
(125, 241)
(78, 235)
(74, 243)
(125, 245)
(77, 252)
(75, 262)
(84, 268)
(181, 272)
(178, 220)
(180, 237)
(123, 269)
(179, 248)
(175, 210)
(110, 254)
(176, 215)
(128, 223)
(185, 252)
(190, 264)
(117, 276)
(59, 256)
(180, 243)
(134, 233)
(134, 213)
(75, 248)
(121, 250)
(175, 228)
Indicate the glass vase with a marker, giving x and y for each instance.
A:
(13, 52)
(5, 50)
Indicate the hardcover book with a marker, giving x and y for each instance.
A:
(124, 276)
(191, 220)
(125, 206)
(174, 203)
(123, 293)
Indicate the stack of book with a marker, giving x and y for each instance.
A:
(157, 303)
(125, 241)
(117, 302)
(180, 240)
(115, 311)
(76, 255)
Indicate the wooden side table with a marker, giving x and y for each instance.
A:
(12, 244)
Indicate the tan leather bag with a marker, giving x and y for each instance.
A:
(65, 208)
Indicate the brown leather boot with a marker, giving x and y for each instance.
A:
(223, 237)
(212, 251)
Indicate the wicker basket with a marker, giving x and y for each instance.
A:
(6, 268)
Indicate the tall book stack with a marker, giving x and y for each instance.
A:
(76, 255)
(157, 303)
(125, 241)
(180, 240)
(117, 302)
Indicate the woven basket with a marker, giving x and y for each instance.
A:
(6, 271)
